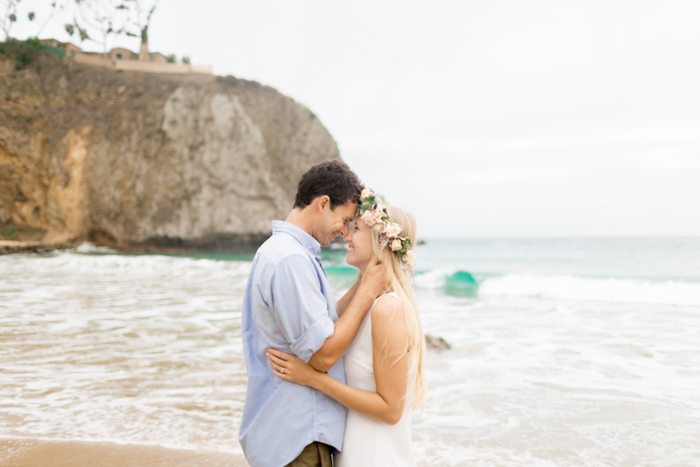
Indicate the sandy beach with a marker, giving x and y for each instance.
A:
(40, 453)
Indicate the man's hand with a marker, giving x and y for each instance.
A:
(374, 280)
(292, 368)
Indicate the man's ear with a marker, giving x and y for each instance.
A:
(323, 201)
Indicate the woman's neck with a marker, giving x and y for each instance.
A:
(363, 269)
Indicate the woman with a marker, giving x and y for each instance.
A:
(384, 364)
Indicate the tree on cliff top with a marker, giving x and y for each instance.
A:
(102, 18)
(110, 19)
(93, 20)
(9, 16)
(139, 18)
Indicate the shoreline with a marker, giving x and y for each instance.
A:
(26, 452)
(8, 247)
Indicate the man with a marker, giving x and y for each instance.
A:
(289, 306)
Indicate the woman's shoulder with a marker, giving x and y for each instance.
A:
(389, 324)
(386, 308)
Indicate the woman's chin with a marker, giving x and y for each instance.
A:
(351, 259)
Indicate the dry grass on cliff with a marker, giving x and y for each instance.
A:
(21, 233)
(22, 52)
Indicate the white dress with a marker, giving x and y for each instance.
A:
(369, 443)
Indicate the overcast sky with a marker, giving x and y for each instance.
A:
(483, 118)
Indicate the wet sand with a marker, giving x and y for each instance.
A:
(40, 453)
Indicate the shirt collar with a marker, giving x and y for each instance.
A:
(306, 240)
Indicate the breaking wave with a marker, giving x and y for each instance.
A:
(589, 289)
(457, 282)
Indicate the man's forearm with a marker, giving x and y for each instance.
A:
(346, 328)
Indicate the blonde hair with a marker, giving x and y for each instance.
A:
(399, 281)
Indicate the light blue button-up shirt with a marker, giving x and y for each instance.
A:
(289, 306)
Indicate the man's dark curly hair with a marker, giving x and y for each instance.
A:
(332, 178)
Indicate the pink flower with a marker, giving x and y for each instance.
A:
(392, 229)
(377, 214)
(369, 219)
(366, 193)
(396, 245)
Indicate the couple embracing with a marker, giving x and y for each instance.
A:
(332, 383)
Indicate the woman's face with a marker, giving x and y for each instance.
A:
(359, 240)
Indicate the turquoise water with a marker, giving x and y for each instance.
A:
(565, 352)
(655, 259)
(657, 270)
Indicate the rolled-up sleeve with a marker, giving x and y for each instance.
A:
(300, 309)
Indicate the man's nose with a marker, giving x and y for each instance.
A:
(346, 234)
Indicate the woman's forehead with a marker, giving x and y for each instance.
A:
(362, 225)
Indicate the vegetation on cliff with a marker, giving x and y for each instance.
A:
(22, 52)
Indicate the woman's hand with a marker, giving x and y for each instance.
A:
(292, 368)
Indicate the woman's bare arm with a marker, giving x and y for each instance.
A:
(390, 362)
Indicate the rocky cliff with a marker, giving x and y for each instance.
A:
(136, 159)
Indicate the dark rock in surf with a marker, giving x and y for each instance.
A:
(436, 343)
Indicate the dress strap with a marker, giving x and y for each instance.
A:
(393, 294)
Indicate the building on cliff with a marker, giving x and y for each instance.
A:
(124, 59)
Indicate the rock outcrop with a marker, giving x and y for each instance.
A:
(135, 159)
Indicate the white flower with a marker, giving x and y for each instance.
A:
(366, 193)
(392, 229)
(369, 219)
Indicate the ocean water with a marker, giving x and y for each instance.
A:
(565, 352)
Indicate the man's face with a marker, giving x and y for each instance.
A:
(334, 222)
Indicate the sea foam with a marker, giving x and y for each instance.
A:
(611, 290)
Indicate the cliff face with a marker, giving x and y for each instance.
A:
(136, 159)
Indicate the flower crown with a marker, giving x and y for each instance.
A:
(375, 215)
